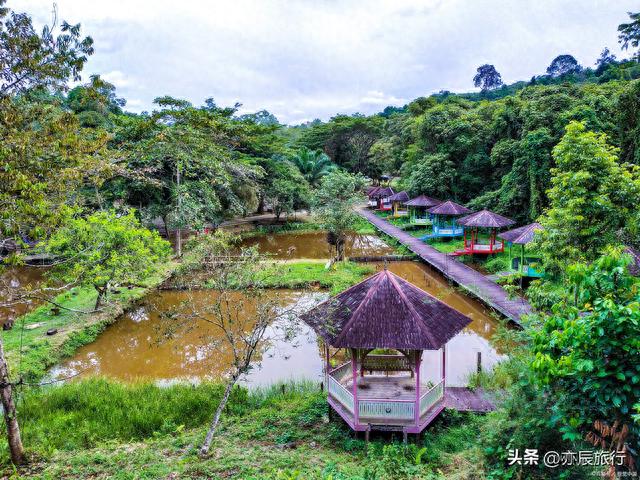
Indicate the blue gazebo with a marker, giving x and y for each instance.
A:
(445, 223)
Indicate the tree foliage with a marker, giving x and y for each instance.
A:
(629, 34)
(487, 78)
(563, 65)
(106, 250)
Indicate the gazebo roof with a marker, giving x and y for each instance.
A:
(422, 201)
(382, 192)
(485, 218)
(399, 197)
(372, 190)
(385, 311)
(449, 208)
(521, 235)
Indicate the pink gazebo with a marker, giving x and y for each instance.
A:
(384, 324)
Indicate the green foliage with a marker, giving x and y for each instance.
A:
(287, 190)
(38, 60)
(313, 165)
(105, 250)
(590, 360)
(334, 204)
(591, 197)
(487, 78)
(629, 33)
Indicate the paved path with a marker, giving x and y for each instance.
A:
(474, 282)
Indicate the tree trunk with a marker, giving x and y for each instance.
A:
(10, 416)
(101, 292)
(179, 231)
(340, 248)
(216, 418)
(261, 205)
(166, 226)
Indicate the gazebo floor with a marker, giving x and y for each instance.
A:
(392, 387)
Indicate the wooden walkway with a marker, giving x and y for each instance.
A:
(472, 281)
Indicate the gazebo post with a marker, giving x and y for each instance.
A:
(418, 355)
(444, 366)
(354, 387)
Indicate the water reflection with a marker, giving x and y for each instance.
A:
(16, 277)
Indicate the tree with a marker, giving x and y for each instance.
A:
(629, 34)
(334, 204)
(30, 60)
(286, 190)
(105, 250)
(434, 175)
(313, 165)
(563, 65)
(586, 351)
(591, 197)
(246, 321)
(487, 78)
(606, 58)
(94, 102)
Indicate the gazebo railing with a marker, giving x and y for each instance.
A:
(341, 372)
(340, 393)
(387, 363)
(386, 409)
(431, 397)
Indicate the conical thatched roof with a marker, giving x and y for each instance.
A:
(449, 208)
(382, 192)
(385, 311)
(399, 197)
(521, 235)
(371, 191)
(423, 201)
(485, 218)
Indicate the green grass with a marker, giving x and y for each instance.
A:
(102, 429)
(314, 274)
(288, 227)
(40, 351)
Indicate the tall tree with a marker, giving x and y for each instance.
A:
(629, 34)
(29, 59)
(591, 198)
(563, 65)
(334, 204)
(487, 78)
(605, 59)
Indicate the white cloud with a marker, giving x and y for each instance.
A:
(309, 59)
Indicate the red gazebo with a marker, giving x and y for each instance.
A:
(376, 389)
(486, 220)
(381, 197)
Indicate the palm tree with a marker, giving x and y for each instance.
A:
(313, 165)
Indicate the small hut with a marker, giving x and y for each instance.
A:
(382, 198)
(381, 314)
(371, 194)
(418, 207)
(445, 223)
(480, 233)
(527, 265)
(397, 204)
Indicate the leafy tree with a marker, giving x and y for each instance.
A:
(31, 60)
(105, 250)
(591, 196)
(487, 78)
(287, 191)
(434, 175)
(629, 33)
(563, 65)
(334, 204)
(606, 58)
(313, 165)
(589, 362)
(94, 102)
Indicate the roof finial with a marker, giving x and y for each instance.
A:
(385, 264)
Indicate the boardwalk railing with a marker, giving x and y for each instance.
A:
(431, 397)
(386, 409)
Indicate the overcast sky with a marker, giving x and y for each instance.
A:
(312, 59)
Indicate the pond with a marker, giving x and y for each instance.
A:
(135, 347)
(18, 277)
(314, 245)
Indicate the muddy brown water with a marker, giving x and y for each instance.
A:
(24, 276)
(314, 245)
(136, 347)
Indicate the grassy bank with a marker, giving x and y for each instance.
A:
(74, 329)
(338, 277)
(99, 429)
